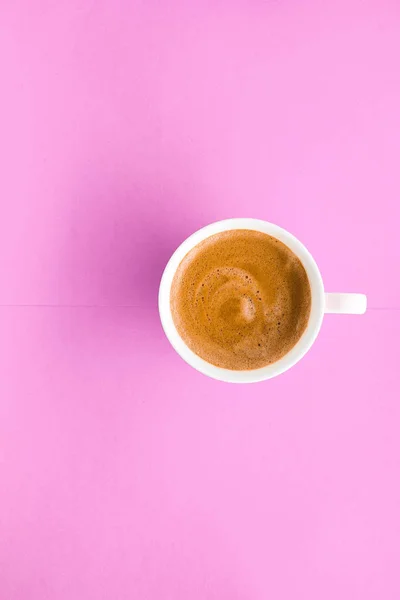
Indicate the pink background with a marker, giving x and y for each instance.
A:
(125, 126)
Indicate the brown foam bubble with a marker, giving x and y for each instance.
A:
(240, 299)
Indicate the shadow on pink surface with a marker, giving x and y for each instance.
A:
(120, 236)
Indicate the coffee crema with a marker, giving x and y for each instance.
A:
(240, 299)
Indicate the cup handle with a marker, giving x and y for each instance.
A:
(350, 304)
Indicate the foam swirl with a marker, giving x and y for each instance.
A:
(240, 299)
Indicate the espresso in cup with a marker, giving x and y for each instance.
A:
(240, 299)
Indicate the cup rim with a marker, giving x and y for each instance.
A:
(299, 349)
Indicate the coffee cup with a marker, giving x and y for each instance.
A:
(321, 302)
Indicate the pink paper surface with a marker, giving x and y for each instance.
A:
(124, 127)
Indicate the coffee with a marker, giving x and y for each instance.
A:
(240, 299)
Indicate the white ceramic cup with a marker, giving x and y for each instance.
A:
(321, 303)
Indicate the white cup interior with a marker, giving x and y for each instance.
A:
(304, 343)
